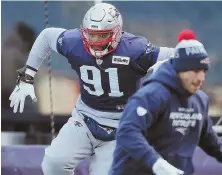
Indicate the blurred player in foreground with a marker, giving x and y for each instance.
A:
(110, 64)
(167, 119)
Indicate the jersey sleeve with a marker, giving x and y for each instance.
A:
(67, 41)
(147, 58)
(41, 49)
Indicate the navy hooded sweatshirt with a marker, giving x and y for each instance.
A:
(163, 120)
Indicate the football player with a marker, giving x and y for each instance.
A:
(110, 63)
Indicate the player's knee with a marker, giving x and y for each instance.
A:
(56, 166)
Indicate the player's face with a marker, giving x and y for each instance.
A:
(192, 80)
(99, 40)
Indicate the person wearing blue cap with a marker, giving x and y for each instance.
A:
(167, 118)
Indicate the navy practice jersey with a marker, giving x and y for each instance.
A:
(108, 83)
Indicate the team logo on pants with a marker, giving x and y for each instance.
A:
(78, 124)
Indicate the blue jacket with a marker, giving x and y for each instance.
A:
(163, 120)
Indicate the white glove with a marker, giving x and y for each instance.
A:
(19, 94)
(162, 167)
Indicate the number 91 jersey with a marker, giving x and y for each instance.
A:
(107, 83)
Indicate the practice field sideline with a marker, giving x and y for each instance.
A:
(26, 160)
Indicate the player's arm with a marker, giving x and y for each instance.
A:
(140, 113)
(45, 42)
(210, 142)
(165, 53)
(151, 57)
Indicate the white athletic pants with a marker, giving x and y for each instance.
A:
(73, 144)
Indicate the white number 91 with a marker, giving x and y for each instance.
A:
(97, 82)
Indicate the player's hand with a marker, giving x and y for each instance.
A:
(19, 94)
(24, 87)
(162, 167)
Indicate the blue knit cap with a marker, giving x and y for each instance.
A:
(190, 54)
